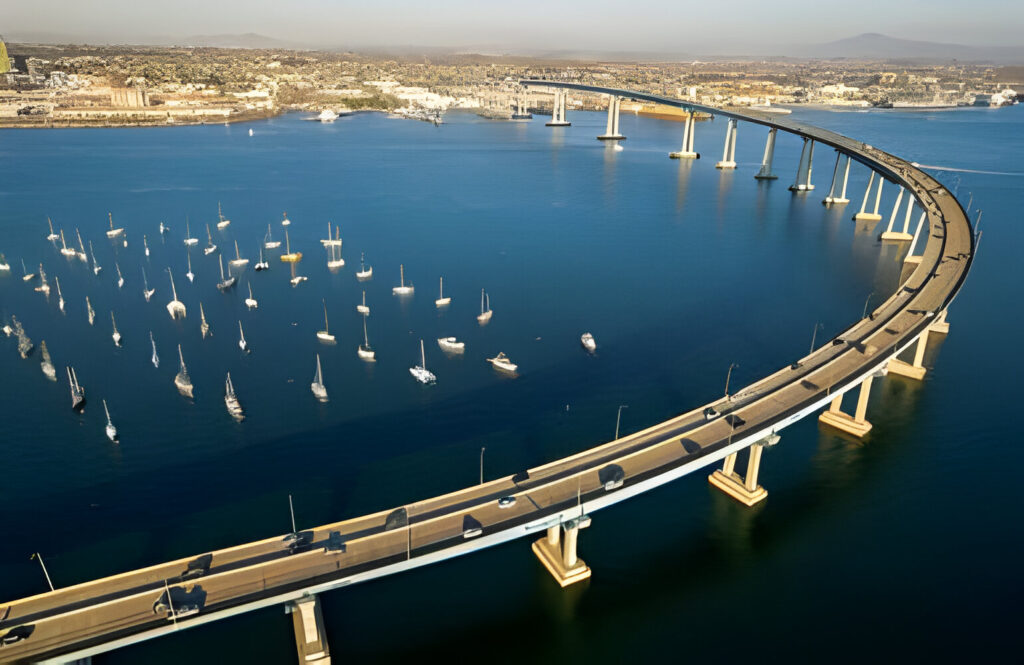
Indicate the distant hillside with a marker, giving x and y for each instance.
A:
(247, 40)
(874, 46)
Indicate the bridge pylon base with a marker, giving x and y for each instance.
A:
(557, 124)
(611, 137)
(684, 155)
(902, 368)
(895, 236)
(560, 557)
(867, 217)
(941, 325)
(734, 487)
(845, 423)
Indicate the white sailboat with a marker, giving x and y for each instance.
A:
(81, 248)
(109, 429)
(210, 247)
(364, 272)
(60, 296)
(363, 309)
(47, 364)
(156, 358)
(146, 291)
(95, 266)
(587, 340)
(501, 362)
(164, 228)
(451, 345)
(221, 222)
(297, 279)
(175, 308)
(116, 336)
(25, 345)
(113, 233)
(191, 275)
(120, 279)
(64, 249)
(43, 287)
(317, 386)
(285, 221)
(329, 241)
(269, 242)
(263, 264)
(53, 236)
(77, 391)
(335, 261)
(485, 308)
(238, 260)
(402, 289)
(288, 256)
(204, 327)
(189, 240)
(231, 400)
(224, 284)
(442, 301)
(26, 275)
(242, 344)
(89, 310)
(182, 381)
(251, 302)
(4, 265)
(325, 334)
(145, 245)
(365, 351)
(420, 372)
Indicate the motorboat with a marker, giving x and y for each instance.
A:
(501, 362)
(587, 340)
(451, 345)
(402, 289)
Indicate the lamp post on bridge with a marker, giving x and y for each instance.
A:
(39, 556)
(618, 419)
(814, 336)
(728, 375)
(482, 449)
(865, 314)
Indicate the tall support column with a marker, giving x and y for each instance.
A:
(745, 489)
(803, 171)
(769, 153)
(729, 151)
(837, 172)
(857, 424)
(686, 151)
(558, 110)
(611, 132)
(560, 558)
(941, 326)
(310, 638)
(898, 236)
(911, 257)
(563, 117)
(895, 211)
(846, 179)
(915, 370)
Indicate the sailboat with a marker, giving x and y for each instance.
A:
(363, 309)
(95, 266)
(251, 302)
(24, 343)
(365, 352)
(120, 279)
(47, 363)
(442, 301)
(77, 391)
(156, 358)
(175, 308)
(288, 256)
(4, 265)
(325, 334)
(364, 272)
(285, 221)
(43, 287)
(64, 249)
(263, 264)
(89, 310)
(182, 381)
(242, 344)
(221, 222)
(451, 344)
(204, 327)
(81, 247)
(502, 362)
(485, 308)
(53, 236)
(420, 372)
(26, 276)
(146, 291)
(109, 429)
(116, 336)
(210, 247)
(191, 275)
(270, 243)
(318, 382)
(402, 289)
(335, 261)
(238, 260)
(145, 245)
(164, 228)
(60, 296)
(328, 241)
(224, 284)
(113, 233)
(189, 240)
(234, 408)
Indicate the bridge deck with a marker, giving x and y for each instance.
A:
(99, 615)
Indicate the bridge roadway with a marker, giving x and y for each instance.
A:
(103, 614)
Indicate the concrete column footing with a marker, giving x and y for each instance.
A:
(725, 165)
(551, 556)
(914, 258)
(611, 137)
(941, 327)
(895, 236)
(801, 188)
(732, 485)
(832, 201)
(766, 176)
(867, 217)
(896, 366)
(845, 423)
(557, 124)
(684, 155)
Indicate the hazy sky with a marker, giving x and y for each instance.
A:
(622, 25)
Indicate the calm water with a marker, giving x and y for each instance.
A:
(908, 542)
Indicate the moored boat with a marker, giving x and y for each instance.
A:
(451, 344)
(420, 372)
(231, 400)
(501, 362)
(402, 289)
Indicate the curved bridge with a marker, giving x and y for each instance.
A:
(556, 499)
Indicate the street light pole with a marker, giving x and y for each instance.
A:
(482, 449)
(814, 337)
(39, 556)
(618, 419)
(291, 509)
(865, 314)
(728, 375)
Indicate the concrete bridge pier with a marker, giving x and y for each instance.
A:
(729, 151)
(857, 424)
(558, 110)
(769, 153)
(559, 555)
(941, 326)
(745, 490)
(899, 236)
(611, 132)
(686, 152)
(310, 636)
(863, 216)
(803, 171)
(911, 257)
(832, 199)
(913, 370)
